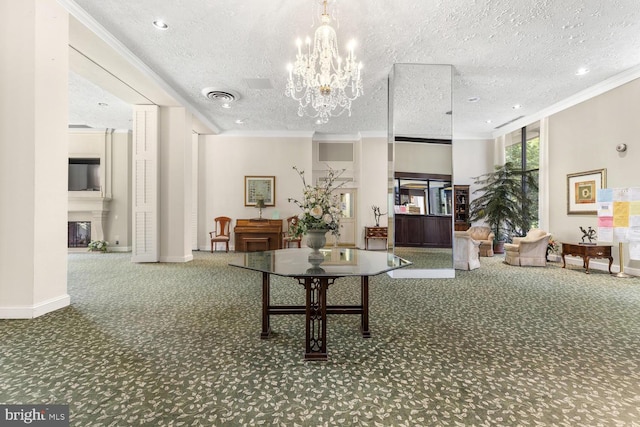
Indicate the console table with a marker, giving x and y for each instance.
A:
(316, 279)
(586, 252)
(375, 233)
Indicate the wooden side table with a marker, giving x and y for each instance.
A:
(586, 252)
(375, 233)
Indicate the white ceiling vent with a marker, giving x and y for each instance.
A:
(223, 96)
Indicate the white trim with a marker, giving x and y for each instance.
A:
(119, 249)
(98, 130)
(345, 138)
(185, 258)
(591, 92)
(93, 25)
(373, 134)
(413, 273)
(269, 133)
(36, 310)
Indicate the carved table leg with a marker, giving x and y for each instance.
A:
(364, 301)
(610, 262)
(266, 328)
(316, 317)
(586, 263)
(563, 261)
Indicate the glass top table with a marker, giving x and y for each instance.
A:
(316, 278)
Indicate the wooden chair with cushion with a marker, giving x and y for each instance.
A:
(287, 238)
(222, 233)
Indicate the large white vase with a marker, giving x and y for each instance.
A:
(316, 239)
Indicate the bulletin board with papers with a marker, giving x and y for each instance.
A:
(619, 217)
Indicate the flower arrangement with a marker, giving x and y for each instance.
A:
(98, 245)
(552, 246)
(320, 208)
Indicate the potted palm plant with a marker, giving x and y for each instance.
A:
(503, 202)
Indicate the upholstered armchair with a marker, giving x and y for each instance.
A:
(530, 250)
(485, 236)
(465, 251)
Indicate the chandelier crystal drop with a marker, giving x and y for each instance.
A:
(320, 80)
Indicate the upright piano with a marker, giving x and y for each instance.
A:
(258, 234)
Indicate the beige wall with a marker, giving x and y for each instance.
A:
(225, 160)
(423, 158)
(583, 138)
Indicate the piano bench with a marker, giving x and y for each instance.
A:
(257, 242)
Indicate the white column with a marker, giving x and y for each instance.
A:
(175, 184)
(33, 157)
(144, 165)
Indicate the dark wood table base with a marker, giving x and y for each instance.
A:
(315, 311)
(586, 252)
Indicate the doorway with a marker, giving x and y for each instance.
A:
(347, 197)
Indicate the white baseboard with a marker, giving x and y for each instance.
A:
(120, 249)
(36, 310)
(185, 258)
(599, 264)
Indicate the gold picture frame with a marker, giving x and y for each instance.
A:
(256, 186)
(581, 191)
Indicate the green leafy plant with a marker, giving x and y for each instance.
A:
(98, 245)
(320, 208)
(504, 202)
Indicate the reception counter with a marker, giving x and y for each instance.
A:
(427, 231)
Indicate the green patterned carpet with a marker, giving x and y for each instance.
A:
(178, 344)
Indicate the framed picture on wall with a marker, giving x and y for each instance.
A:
(581, 191)
(259, 187)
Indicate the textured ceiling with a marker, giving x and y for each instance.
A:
(502, 52)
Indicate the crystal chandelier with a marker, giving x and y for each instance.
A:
(323, 85)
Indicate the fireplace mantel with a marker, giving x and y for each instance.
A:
(90, 206)
(88, 201)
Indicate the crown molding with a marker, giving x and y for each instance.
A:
(88, 21)
(591, 92)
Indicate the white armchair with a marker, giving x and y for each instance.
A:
(530, 250)
(465, 251)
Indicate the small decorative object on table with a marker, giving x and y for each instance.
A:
(552, 247)
(320, 212)
(588, 234)
(98, 246)
(377, 214)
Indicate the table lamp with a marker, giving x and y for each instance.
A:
(260, 205)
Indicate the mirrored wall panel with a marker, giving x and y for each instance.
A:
(421, 198)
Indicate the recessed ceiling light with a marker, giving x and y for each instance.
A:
(489, 121)
(160, 24)
(473, 99)
(517, 107)
(582, 71)
(240, 121)
(226, 105)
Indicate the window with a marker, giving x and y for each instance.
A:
(527, 159)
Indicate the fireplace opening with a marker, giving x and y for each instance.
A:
(79, 234)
